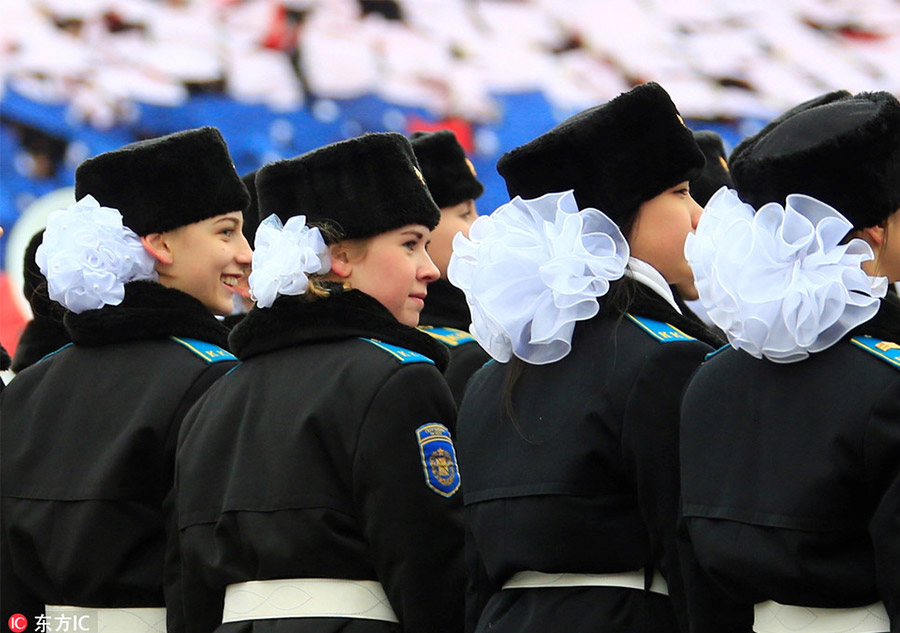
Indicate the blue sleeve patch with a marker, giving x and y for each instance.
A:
(438, 458)
(405, 356)
(451, 337)
(888, 351)
(207, 351)
(662, 332)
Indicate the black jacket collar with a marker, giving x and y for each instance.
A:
(647, 303)
(886, 322)
(445, 306)
(345, 314)
(148, 311)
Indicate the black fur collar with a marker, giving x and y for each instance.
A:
(4, 361)
(445, 306)
(345, 314)
(886, 323)
(148, 311)
(41, 336)
(647, 303)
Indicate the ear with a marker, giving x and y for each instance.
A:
(874, 235)
(341, 265)
(157, 245)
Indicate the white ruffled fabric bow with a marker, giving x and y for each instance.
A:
(283, 258)
(778, 281)
(88, 255)
(531, 270)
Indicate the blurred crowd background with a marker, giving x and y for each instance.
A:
(280, 77)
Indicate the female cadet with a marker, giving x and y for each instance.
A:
(791, 436)
(89, 433)
(453, 184)
(318, 488)
(569, 451)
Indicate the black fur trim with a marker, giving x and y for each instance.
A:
(166, 182)
(845, 152)
(345, 314)
(450, 176)
(148, 311)
(445, 306)
(614, 156)
(41, 336)
(362, 187)
(4, 361)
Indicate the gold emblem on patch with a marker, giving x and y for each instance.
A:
(680, 119)
(886, 346)
(419, 174)
(442, 466)
(471, 166)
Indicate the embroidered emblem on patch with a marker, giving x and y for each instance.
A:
(438, 458)
(471, 167)
(451, 337)
(662, 332)
(207, 351)
(888, 351)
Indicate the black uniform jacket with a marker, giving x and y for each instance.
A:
(577, 472)
(791, 476)
(305, 462)
(446, 317)
(88, 442)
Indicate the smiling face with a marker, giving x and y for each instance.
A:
(394, 267)
(660, 230)
(455, 219)
(206, 259)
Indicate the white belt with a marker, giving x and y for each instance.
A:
(627, 579)
(771, 617)
(118, 620)
(306, 598)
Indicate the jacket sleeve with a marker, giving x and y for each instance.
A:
(883, 472)
(650, 432)
(414, 528)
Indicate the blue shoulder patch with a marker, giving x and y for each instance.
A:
(438, 458)
(721, 349)
(207, 351)
(451, 337)
(888, 351)
(405, 356)
(662, 332)
(54, 353)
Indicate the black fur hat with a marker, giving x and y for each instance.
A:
(845, 152)
(163, 183)
(826, 98)
(716, 174)
(251, 215)
(615, 156)
(360, 187)
(450, 176)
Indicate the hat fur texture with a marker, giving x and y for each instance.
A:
(615, 156)
(715, 174)
(361, 187)
(251, 214)
(449, 174)
(163, 183)
(845, 153)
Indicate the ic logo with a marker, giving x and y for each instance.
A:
(17, 623)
